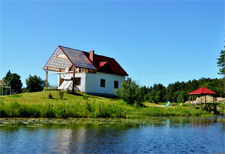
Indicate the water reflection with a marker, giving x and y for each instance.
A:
(154, 135)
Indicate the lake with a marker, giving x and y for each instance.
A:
(153, 135)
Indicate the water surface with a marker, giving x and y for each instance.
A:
(154, 135)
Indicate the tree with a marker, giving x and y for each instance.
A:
(158, 96)
(14, 81)
(209, 85)
(144, 91)
(35, 83)
(130, 91)
(221, 62)
(150, 97)
(182, 97)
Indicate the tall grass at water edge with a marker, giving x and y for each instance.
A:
(83, 106)
(62, 110)
(92, 110)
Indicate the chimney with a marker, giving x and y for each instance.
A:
(91, 55)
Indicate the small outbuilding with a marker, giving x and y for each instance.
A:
(203, 91)
(4, 87)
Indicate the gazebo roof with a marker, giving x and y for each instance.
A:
(202, 91)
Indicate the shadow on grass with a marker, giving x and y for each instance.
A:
(75, 93)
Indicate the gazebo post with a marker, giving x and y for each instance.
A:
(205, 102)
(192, 102)
(214, 104)
(201, 102)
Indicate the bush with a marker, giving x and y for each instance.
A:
(50, 96)
(85, 97)
(61, 94)
(35, 83)
(130, 91)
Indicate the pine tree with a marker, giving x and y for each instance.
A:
(221, 62)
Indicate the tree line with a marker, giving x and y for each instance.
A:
(178, 91)
(132, 92)
(34, 83)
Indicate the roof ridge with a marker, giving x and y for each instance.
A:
(99, 55)
(84, 51)
(202, 88)
(71, 48)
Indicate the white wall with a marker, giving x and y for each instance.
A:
(80, 87)
(90, 82)
(93, 82)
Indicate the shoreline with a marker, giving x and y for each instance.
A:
(38, 122)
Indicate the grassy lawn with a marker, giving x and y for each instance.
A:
(38, 104)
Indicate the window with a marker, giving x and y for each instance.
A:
(116, 84)
(77, 81)
(102, 83)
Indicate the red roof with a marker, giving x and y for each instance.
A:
(106, 64)
(202, 91)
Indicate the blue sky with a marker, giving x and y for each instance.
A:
(154, 41)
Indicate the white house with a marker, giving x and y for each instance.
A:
(94, 74)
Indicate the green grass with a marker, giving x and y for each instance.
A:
(38, 104)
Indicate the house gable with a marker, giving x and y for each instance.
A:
(58, 61)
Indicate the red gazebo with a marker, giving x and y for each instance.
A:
(203, 91)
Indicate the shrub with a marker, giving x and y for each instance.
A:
(50, 96)
(85, 97)
(61, 94)
(130, 91)
(25, 90)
